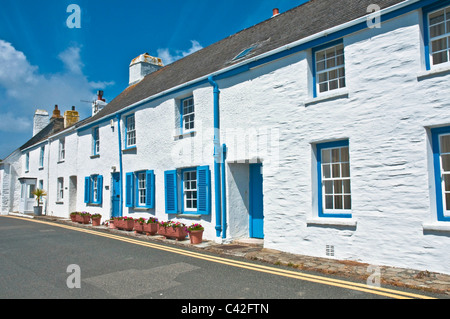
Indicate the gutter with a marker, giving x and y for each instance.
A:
(217, 155)
(300, 45)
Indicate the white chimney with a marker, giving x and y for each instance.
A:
(142, 66)
(99, 104)
(40, 121)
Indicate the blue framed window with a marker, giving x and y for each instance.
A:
(441, 161)
(130, 131)
(41, 156)
(187, 114)
(328, 67)
(188, 190)
(140, 189)
(333, 175)
(436, 21)
(93, 189)
(95, 141)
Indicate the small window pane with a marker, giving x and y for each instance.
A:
(334, 85)
(347, 202)
(439, 45)
(323, 87)
(326, 171)
(338, 187)
(326, 156)
(347, 186)
(345, 170)
(446, 178)
(437, 17)
(329, 202)
(336, 155)
(447, 201)
(338, 202)
(336, 170)
(445, 144)
(437, 30)
(446, 162)
(328, 187)
(439, 58)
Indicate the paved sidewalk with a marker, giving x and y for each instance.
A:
(253, 250)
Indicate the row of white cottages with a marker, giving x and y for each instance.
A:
(334, 145)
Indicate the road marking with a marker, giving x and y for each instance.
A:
(386, 292)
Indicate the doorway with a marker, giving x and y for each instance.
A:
(256, 203)
(27, 200)
(115, 195)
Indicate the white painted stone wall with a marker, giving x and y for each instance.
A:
(385, 118)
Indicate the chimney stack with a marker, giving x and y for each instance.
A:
(276, 12)
(142, 66)
(40, 121)
(99, 104)
(56, 113)
(71, 117)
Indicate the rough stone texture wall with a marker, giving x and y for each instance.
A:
(385, 118)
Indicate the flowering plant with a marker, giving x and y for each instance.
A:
(127, 218)
(178, 224)
(166, 224)
(195, 227)
(140, 220)
(85, 214)
(96, 216)
(152, 220)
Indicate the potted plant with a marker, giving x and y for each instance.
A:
(112, 224)
(73, 217)
(195, 233)
(39, 193)
(85, 218)
(151, 226)
(124, 223)
(171, 229)
(139, 225)
(96, 219)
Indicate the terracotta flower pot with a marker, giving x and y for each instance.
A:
(138, 227)
(96, 221)
(78, 218)
(151, 229)
(73, 218)
(179, 233)
(125, 224)
(196, 236)
(86, 219)
(112, 224)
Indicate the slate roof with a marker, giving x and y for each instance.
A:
(300, 22)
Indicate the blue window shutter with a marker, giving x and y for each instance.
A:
(87, 189)
(150, 191)
(203, 190)
(129, 183)
(170, 181)
(99, 189)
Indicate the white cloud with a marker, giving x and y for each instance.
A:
(167, 57)
(23, 89)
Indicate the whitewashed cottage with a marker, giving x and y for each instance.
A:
(323, 131)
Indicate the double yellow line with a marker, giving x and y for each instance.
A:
(385, 292)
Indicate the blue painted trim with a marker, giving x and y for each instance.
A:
(224, 192)
(182, 112)
(171, 188)
(217, 150)
(426, 36)
(126, 132)
(319, 148)
(119, 136)
(435, 134)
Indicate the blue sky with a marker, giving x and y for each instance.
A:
(43, 62)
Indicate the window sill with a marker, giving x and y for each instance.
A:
(183, 135)
(130, 149)
(41, 168)
(329, 221)
(95, 156)
(189, 215)
(433, 73)
(140, 209)
(437, 226)
(341, 94)
(60, 161)
(59, 203)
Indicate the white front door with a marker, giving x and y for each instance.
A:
(27, 199)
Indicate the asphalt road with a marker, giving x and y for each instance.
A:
(43, 261)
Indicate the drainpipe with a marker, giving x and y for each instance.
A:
(224, 193)
(119, 134)
(216, 155)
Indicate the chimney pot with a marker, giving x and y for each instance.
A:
(276, 12)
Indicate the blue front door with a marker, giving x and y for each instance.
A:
(256, 201)
(115, 193)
